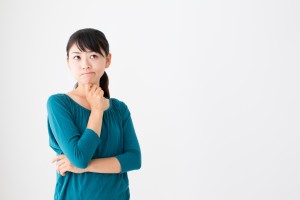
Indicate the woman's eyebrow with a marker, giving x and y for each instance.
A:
(86, 52)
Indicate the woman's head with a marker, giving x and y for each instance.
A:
(88, 56)
(89, 39)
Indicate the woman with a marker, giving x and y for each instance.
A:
(92, 133)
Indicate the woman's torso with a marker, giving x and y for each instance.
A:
(94, 185)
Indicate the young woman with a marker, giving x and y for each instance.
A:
(92, 134)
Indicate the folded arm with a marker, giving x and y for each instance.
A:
(78, 148)
(129, 160)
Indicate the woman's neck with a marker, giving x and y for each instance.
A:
(80, 90)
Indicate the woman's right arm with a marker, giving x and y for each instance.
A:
(79, 148)
(94, 96)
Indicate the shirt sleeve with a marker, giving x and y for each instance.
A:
(79, 148)
(131, 158)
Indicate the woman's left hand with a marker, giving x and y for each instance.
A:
(63, 165)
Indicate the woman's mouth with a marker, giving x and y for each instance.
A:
(87, 74)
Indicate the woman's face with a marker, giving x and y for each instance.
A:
(87, 67)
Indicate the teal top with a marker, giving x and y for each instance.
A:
(67, 121)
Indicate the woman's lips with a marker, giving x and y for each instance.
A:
(88, 73)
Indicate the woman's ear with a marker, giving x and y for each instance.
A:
(67, 59)
(108, 60)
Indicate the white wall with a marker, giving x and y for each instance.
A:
(212, 87)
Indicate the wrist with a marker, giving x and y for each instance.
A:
(97, 111)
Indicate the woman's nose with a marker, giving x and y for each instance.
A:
(85, 64)
(85, 67)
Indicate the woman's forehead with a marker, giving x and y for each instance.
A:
(76, 49)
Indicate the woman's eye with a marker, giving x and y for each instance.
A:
(76, 57)
(93, 56)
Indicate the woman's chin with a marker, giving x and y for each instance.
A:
(83, 82)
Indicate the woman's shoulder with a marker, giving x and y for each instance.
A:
(57, 99)
(120, 105)
(117, 102)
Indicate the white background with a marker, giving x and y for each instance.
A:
(212, 87)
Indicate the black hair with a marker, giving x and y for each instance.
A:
(94, 40)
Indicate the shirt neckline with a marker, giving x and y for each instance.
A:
(75, 102)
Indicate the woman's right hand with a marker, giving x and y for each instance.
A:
(94, 96)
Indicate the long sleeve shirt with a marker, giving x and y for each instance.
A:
(69, 135)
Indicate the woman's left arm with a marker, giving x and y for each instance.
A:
(131, 159)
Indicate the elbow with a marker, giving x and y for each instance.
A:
(139, 164)
(131, 160)
(138, 160)
(82, 164)
(80, 160)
